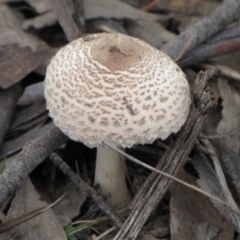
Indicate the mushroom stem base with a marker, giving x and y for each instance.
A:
(110, 175)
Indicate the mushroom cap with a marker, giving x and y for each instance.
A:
(112, 87)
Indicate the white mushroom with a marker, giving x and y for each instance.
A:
(115, 88)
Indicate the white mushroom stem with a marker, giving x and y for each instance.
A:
(110, 175)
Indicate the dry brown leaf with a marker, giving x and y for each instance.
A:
(74, 201)
(92, 9)
(17, 62)
(41, 6)
(188, 12)
(27, 118)
(162, 34)
(13, 146)
(63, 12)
(11, 32)
(42, 227)
(231, 60)
(114, 9)
(230, 113)
(189, 7)
(9, 1)
(192, 216)
(32, 94)
(20, 52)
(46, 17)
(137, 30)
(43, 20)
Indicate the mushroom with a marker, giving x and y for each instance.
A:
(114, 88)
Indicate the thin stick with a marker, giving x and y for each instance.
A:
(221, 135)
(33, 153)
(171, 162)
(83, 186)
(106, 233)
(220, 18)
(135, 160)
(23, 218)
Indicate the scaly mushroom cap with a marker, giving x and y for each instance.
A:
(112, 87)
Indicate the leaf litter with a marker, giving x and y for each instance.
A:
(26, 42)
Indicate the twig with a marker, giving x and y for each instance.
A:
(31, 156)
(209, 195)
(215, 182)
(8, 100)
(231, 32)
(105, 233)
(184, 50)
(82, 186)
(219, 172)
(221, 135)
(224, 42)
(209, 50)
(230, 161)
(225, 71)
(174, 158)
(225, 14)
